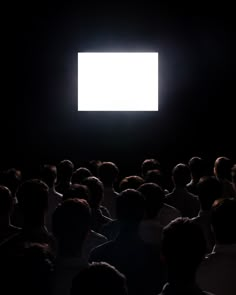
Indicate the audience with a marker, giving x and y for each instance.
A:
(183, 249)
(7, 230)
(100, 214)
(79, 175)
(218, 271)
(108, 173)
(49, 176)
(99, 278)
(157, 213)
(197, 169)
(138, 261)
(209, 190)
(222, 171)
(180, 198)
(131, 182)
(71, 224)
(71, 233)
(64, 173)
(33, 203)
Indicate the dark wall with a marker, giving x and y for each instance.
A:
(39, 118)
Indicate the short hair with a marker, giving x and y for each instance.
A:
(108, 172)
(78, 191)
(183, 246)
(96, 191)
(65, 169)
(209, 190)
(99, 278)
(150, 164)
(130, 206)
(181, 174)
(224, 221)
(222, 168)
(131, 182)
(33, 198)
(6, 201)
(197, 166)
(154, 197)
(49, 174)
(154, 176)
(71, 222)
(80, 174)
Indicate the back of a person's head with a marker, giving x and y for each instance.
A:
(150, 164)
(130, 206)
(197, 167)
(222, 168)
(183, 246)
(154, 176)
(33, 198)
(49, 175)
(99, 278)
(33, 270)
(71, 223)
(108, 173)
(80, 174)
(64, 170)
(154, 196)
(12, 179)
(209, 190)
(224, 221)
(6, 201)
(131, 182)
(96, 190)
(78, 191)
(93, 166)
(181, 175)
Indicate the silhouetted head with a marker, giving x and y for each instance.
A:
(224, 221)
(80, 174)
(154, 197)
(154, 176)
(149, 164)
(78, 191)
(197, 167)
(99, 278)
(130, 207)
(6, 202)
(209, 190)
(96, 191)
(33, 201)
(108, 173)
(49, 175)
(131, 182)
(222, 168)
(12, 179)
(183, 248)
(64, 170)
(33, 270)
(93, 166)
(181, 175)
(71, 223)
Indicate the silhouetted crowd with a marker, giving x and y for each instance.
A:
(87, 230)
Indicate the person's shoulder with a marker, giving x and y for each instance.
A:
(98, 236)
(98, 253)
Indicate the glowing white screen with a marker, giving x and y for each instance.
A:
(111, 81)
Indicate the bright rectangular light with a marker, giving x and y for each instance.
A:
(118, 81)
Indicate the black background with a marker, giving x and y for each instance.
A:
(39, 118)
